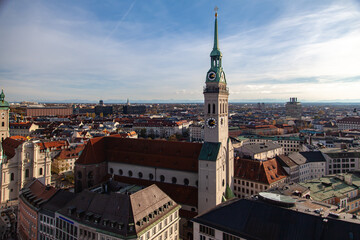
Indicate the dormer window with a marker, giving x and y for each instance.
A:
(105, 222)
(121, 226)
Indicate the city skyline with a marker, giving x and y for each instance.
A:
(160, 50)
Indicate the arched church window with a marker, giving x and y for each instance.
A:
(221, 108)
(223, 182)
(209, 108)
(79, 175)
(27, 155)
(174, 180)
(26, 173)
(40, 171)
(151, 176)
(186, 181)
(90, 175)
(214, 108)
(162, 178)
(130, 173)
(111, 170)
(140, 174)
(120, 172)
(12, 176)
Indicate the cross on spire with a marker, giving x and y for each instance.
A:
(216, 9)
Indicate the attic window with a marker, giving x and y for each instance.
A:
(121, 225)
(272, 177)
(112, 224)
(97, 219)
(105, 222)
(269, 168)
(88, 216)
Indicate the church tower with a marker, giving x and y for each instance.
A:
(216, 161)
(4, 117)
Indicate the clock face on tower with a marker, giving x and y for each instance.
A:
(211, 122)
(2, 114)
(211, 76)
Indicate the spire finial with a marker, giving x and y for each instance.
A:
(2, 95)
(216, 9)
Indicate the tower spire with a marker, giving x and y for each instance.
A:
(216, 51)
(216, 41)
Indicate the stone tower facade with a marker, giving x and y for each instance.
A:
(216, 162)
(4, 117)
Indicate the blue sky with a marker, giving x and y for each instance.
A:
(146, 50)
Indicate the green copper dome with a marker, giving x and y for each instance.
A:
(3, 103)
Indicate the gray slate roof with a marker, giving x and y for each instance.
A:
(259, 220)
(261, 147)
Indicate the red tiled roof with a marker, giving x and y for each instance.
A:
(181, 156)
(72, 152)
(53, 144)
(9, 145)
(42, 191)
(19, 138)
(265, 172)
(179, 193)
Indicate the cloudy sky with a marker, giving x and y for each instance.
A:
(159, 49)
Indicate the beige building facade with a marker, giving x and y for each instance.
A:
(20, 163)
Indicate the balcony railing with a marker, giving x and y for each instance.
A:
(213, 89)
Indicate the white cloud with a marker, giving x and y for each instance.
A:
(307, 53)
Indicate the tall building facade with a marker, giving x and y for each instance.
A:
(4, 116)
(216, 171)
(293, 108)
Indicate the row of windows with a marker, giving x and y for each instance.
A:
(229, 237)
(207, 230)
(46, 229)
(249, 184)
(343, 160)
(66, 227)
(223, 108)
(151, 177)
(342, 165)
(337, 171)
(162, 225)
(46, 219)
(87, 234)
(27, 173)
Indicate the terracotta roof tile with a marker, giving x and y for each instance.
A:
(42, 191)
(9, 145)
(181, 156)
(53, 144)
(265, 172)
(72, 152)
